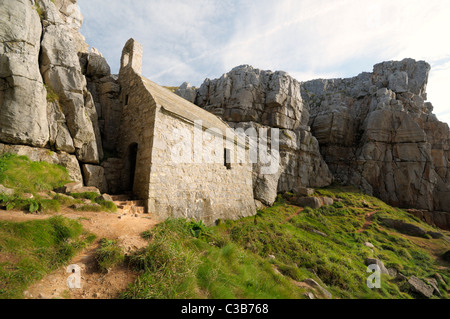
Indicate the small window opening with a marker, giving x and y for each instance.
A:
(126, 99)
(227, 158)
(126, 59)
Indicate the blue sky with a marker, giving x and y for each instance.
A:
(190, 40)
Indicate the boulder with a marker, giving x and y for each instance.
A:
(435, 235)
(404, 227)
(433, 283)
(86, 190)
(393, 272)
(316, 285)
(97, 66)
(420, 287)
(303, 191)
(379, 263)
(71, 187)
(95, 176)
(6, 191)
(105, 197)
(315, 231)
(369, 245)
(313, 202)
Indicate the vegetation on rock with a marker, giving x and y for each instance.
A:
(270, 256)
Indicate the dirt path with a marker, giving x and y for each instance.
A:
(296, 214)
(367, 222)
(124, 228)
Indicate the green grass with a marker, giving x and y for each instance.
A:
(52, 96)
(29, 250)
(108, 255)
(101, 206)
(185, 259)
(39, 11)
(29, 205)
(181, 262)
(25, 176)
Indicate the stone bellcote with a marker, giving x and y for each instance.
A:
(132, 57)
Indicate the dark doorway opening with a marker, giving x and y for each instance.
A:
(227, 158)
(132, 158)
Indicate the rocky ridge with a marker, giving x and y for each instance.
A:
(375, 131)
(253, 99)
(59, 102)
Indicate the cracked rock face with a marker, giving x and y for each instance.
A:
(251, 99)
(61, 70)
(377, 132)
(44, 100)
(23, 105)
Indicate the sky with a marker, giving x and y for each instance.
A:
(190, 40)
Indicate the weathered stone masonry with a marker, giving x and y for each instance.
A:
(155, 122)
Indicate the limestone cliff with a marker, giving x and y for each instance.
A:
(44, 96)
(375, 130)
(59, 101)
(250, 98)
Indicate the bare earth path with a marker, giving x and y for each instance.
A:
(367, 222)
(124, 228)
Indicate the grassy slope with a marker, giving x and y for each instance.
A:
(235, 259)
(37, 178)
(231, 260)
(29, 250)
(25, 176)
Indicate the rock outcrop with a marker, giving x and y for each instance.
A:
(44, 98)
(256, 100)
(61, 70)
(35, 154)
(105, 90)
(375, 131)
(59, 102)
(23, 105)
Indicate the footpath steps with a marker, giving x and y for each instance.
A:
(128, 206)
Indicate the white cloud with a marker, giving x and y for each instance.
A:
(438, 84)
(189, 40)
